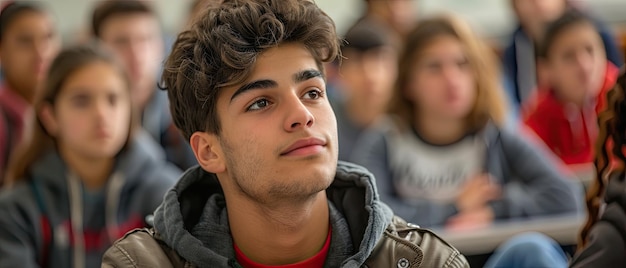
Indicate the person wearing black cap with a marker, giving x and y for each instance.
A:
(367, 74)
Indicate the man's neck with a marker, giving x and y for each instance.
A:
(295, 230)
(534, 32)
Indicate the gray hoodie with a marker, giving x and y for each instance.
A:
(532, 182)
(193, 222)
(44, 216)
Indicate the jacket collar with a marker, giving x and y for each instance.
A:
(194, 213)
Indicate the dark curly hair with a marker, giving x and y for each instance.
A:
(222, 46)
(609, 160)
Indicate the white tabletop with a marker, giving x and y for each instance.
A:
(563, 229)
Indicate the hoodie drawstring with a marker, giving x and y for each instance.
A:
(112, 205)
(76, 219)
(113, 191)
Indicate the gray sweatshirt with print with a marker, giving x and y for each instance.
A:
(534, 183)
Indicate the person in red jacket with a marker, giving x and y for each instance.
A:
(577, 77)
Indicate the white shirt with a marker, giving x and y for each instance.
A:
(437, 173)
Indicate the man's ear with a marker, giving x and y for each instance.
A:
(208, 151)
(46, 115)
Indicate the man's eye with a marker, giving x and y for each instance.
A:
(313, 94)
(258, 105)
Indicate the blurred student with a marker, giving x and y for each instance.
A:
(519, 59)
(563, 115)
(131, 29)
(85, 179)
(367, 74)
(28, 42)
(603, 237)
(398, 15)
(450, 162)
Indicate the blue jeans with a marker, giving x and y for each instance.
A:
(528, 250)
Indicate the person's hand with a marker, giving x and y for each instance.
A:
(476, 193)
(475, 219)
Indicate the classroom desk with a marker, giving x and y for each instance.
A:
(563, 229)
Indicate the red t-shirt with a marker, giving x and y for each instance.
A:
(316, 261)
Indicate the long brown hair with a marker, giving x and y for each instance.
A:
(35, 143)
(609, 159)
(490, 104)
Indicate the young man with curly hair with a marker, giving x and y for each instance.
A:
(246, 86)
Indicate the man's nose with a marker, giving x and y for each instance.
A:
(298, 114)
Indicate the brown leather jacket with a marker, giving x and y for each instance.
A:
(403, 245)
(355, 214)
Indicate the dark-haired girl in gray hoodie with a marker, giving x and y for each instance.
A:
(84, 177)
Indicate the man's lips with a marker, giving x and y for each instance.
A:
(303, 147)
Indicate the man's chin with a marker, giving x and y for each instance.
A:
(315, 164)
(319, 176)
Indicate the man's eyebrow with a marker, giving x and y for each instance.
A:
(298, 77)
(304, 75)
(258, 84)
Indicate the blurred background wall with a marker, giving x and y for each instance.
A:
(492, 18)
